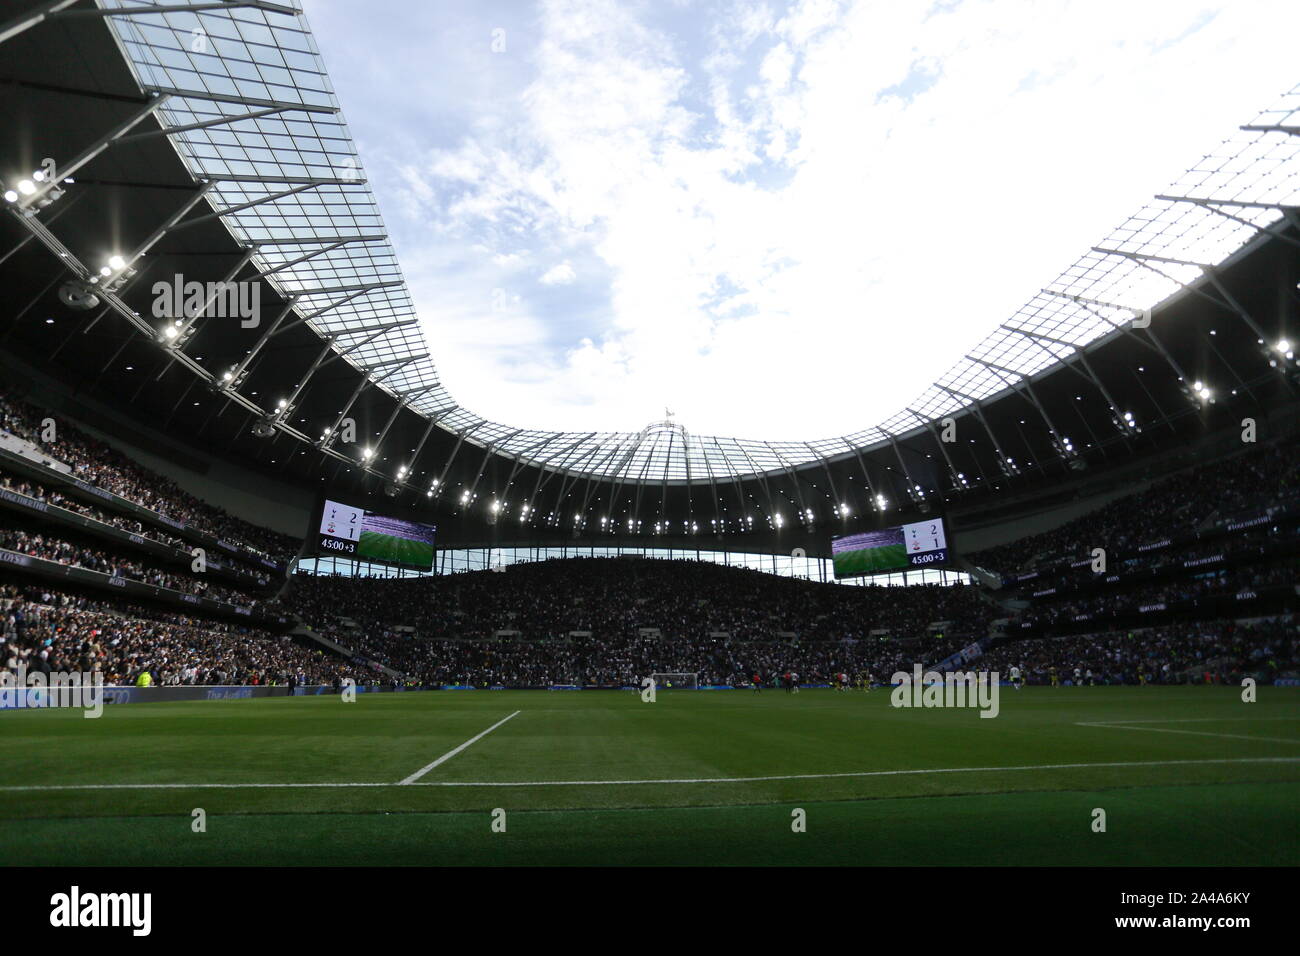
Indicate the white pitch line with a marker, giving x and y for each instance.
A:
(1127, 725)
(862, 773)
(451, 753)
(185, 786)
(1180, 720)
(612, 783)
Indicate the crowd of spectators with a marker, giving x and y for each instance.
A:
(1173, 506)
(628, 659)
(615, 620)
(1222, 651)
(253, 579)
(38, 491)
(48, 630)
(102, 465)
(633, 616)
(53, 547)
(617, 596)
(1220, 582)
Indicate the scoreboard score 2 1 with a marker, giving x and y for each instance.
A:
(925, 539)
(340, 527)
(348, 531)
(916, 545)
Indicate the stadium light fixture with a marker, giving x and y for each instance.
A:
(26, 187)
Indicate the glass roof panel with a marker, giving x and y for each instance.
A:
(297, 171)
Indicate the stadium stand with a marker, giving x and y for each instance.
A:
(1182, 504)
(104, 467)
(1185, 548)
(48, 630)
(770, 624)
(1221, 651)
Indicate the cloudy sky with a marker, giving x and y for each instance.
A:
(778, 220)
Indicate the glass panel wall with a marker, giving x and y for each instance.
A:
(480, 559)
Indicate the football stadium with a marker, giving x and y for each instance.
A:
(330, 536)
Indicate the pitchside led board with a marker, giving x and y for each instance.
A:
(916, 545)
(352, 532)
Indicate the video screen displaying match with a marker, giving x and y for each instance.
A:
(353, 532)
(919, 544)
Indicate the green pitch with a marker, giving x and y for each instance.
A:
(1186, 776)
(889, 557)
(376, 546)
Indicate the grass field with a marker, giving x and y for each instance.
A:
(1186, 776)
(376, 546)
(888, 557)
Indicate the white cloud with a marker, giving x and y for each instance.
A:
(785, 221)
(562, 274)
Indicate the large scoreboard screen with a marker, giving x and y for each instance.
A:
(915, 545)
(352, 532)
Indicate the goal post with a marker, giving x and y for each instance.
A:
(676, 680)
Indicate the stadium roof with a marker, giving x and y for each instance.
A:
(293, 186)
(215, 167)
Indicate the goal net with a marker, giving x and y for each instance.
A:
(676, 680)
